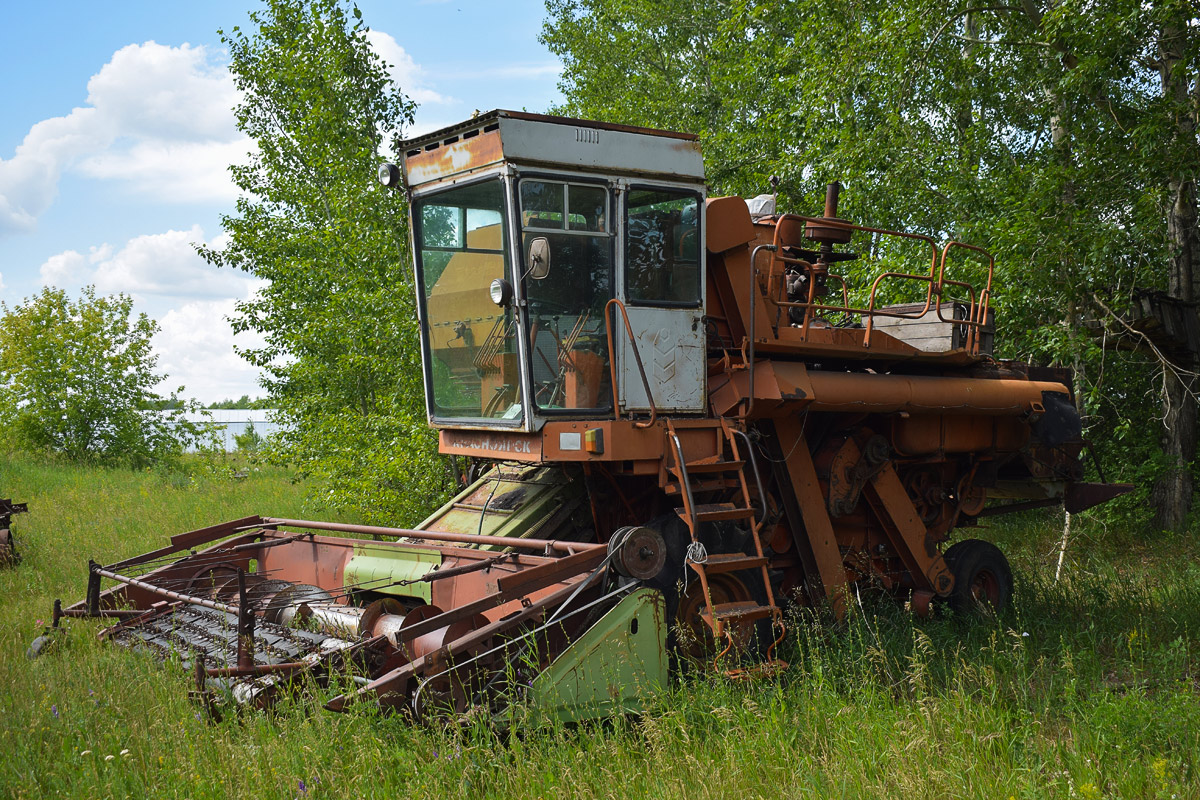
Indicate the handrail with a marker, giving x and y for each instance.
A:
(978, 315)
(637, 357)
(849, 226)
(936, 280)
(750, 333)
(762, 496)
(686, 480)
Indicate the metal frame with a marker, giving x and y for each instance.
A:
(422, 194)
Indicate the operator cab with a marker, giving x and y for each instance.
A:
(525, 228)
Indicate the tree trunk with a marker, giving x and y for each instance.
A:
(1173, 492)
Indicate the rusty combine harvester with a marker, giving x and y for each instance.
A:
(673, 418)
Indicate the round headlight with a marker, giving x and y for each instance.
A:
(389, 175)
(502, 292)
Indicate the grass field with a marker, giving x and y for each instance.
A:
(1086, 688)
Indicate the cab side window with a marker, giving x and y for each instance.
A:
(662, 247)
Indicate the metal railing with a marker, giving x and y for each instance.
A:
(637, 357)
(936, 282)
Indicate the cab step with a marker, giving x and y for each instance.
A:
(728, 562)
(699, 467)
(745, 610)
(700, 487)
(715, 512)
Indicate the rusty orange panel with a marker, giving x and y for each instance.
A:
(622, 441)
(727, 221)
(507, 445)
(924, 434)
(908, 533)
(778, 386)
(457, 157)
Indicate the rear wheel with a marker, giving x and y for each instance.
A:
(982, 577)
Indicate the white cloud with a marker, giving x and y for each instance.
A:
(160, 92)
(405, 72)
(153, 269)
(158, 118)
(195, 346)
(68, 268)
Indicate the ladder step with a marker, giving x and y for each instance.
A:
(715, 512)
(743, 611)
(697, 467)
(728, 562)
(698, 487)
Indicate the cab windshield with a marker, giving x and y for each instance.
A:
(470, 343)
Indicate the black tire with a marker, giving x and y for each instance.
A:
(982, 578)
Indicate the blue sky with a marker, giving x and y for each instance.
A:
(116, 131)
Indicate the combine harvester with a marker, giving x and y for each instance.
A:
(672, 420)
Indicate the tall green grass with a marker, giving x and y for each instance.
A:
(1085, 688)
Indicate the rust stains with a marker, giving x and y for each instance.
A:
(463, 155)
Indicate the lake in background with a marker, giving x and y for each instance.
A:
(230, 422)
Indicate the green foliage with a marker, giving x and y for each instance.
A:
(77, 378)
(1040, 130)
(243, 402)
(337, 309)
(248, 441)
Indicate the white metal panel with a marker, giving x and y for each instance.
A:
(672, 346)
(596, 149)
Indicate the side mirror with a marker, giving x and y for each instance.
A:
(539, 258)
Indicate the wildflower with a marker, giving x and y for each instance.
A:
(1024, 633)
(109, 758)
(54, 711)
(303, 788)
(125, 753)
(85, 752)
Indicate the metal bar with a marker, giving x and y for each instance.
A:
(245, 625)
(439, 574)
(762, 495)
(255, 670)
(437, 536)
(190, 539)
(103, 613)
(1014, 507)
(531, 581)
(751, 333)
(687, 484)
(637, 357)
(161, 592)
(93, 589)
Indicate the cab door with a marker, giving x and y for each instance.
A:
(661, 282)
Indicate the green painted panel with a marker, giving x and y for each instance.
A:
(375, 568)
(511, 502)
(613, 666)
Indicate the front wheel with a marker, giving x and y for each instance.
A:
(982, 577)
